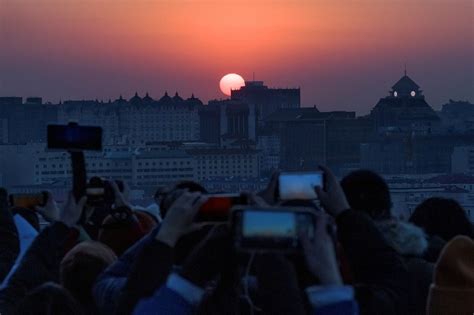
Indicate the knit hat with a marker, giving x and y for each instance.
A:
(452, 291)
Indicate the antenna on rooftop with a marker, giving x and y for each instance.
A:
(405, 69)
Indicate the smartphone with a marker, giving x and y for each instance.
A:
(100, 193)
(29, 201)
(271, 229)
(299, 186)
(217, 208)
(74, 137)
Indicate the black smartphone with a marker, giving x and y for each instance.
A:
(29, 201)
(271, 229)
(299, 185)
(100, 193)
(74, 137)
(217, 208)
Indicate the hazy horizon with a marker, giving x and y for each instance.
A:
(344, 55)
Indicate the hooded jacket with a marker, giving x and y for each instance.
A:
(411, 243)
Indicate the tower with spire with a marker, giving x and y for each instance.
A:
(405, 109)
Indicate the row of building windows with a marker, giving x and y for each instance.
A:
(164, 163)
(164, 170)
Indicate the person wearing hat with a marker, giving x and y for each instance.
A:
(452, 291)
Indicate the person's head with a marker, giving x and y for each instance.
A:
(171, 193)
(442, 217)
(121, 232)
(368, 192)
(49, 299)
(81, 266)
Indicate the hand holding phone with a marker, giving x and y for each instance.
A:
(320, 253)
(272, 229)
(332, 197)
(300, 185)
(217, 207)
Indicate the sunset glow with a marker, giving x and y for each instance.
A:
(231, 81)
(331, 49)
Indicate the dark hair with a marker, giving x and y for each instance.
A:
(81, 266)
(367, 191)
(49, 299)
(442, 217)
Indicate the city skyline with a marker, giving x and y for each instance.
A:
(330, 49)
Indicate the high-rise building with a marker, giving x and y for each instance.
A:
(226, 121)
(267, 100)
(309, 138)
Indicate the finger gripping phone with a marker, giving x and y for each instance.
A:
(74, 137)
(29, 201)
(299, 185)
(271, 229)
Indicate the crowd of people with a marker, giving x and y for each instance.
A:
(128, 260)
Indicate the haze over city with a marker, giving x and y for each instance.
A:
(344, 55)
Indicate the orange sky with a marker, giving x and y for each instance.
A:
(344, 54)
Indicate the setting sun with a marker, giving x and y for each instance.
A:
(231, 81)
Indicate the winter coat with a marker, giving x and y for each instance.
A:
(381, 278)
(412, 243)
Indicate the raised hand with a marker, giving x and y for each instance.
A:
(179, 219)
(50, 211)
(320, 253)
(332, 196)
(72, 211)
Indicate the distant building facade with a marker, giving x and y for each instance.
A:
(138, 120)
(227, 120)
(267, 100)
(457, 117)
(462, 160)
(309, 138)
(405, 110)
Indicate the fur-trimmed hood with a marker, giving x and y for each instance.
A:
(404, 237)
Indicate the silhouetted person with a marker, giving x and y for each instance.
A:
(442, 217)
(368, 192)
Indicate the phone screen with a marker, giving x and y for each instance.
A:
(299, 186)
(267, 229)
(74, 137)
(265, 224)
(28, 200)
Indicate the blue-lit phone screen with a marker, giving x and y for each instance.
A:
(299, 186)
(269, 224)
